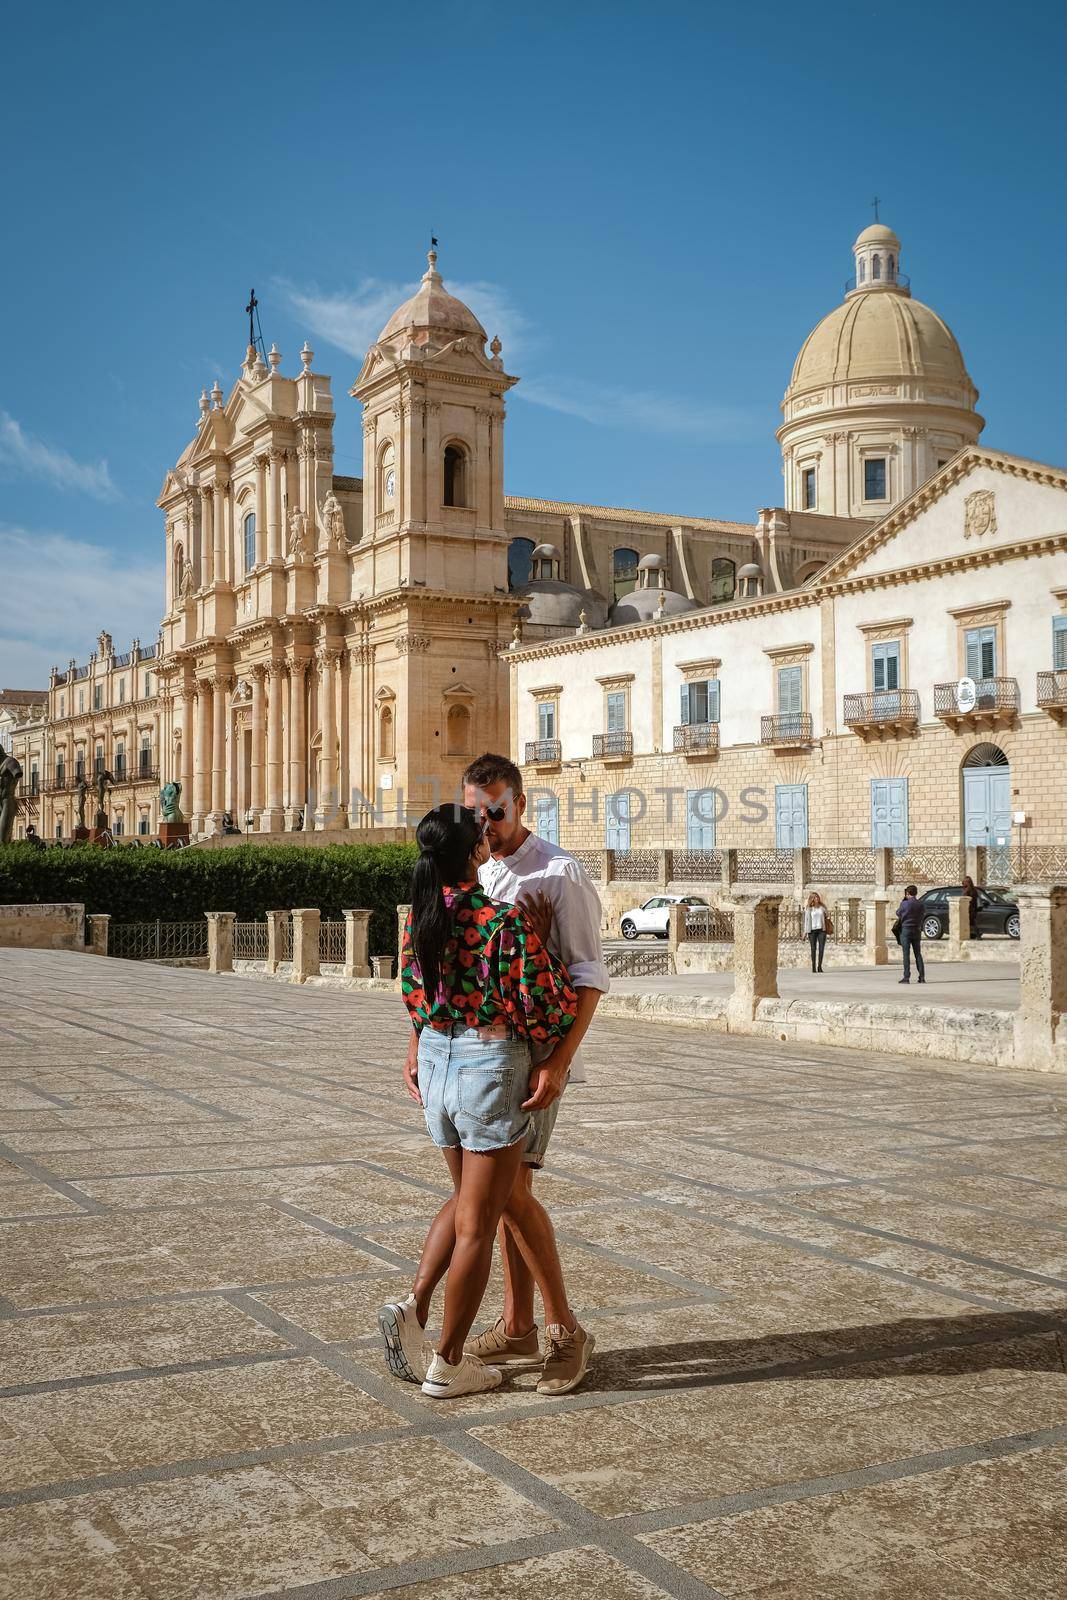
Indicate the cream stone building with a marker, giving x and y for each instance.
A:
(334, 649)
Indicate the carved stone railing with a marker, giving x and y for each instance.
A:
(635, 866)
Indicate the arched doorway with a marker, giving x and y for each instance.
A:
(987, 797)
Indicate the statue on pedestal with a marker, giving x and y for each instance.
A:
(104, 780)
(333, 521)
(81, 790)
(299, 535)
(10, 774)
(169, 808)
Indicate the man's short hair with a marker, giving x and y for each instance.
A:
(490, 768)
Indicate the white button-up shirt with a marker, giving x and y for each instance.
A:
(538, 866)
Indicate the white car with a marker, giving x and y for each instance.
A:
(654, 915)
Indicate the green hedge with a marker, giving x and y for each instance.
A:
(180, 885)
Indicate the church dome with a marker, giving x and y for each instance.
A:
(651, 599)
(432, 310)
(551, 603)
(878, 233)
(878, 335)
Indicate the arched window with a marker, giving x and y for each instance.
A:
(862, 272)
(386, 738)
(455, 476)
(723, 578)
(624, 571)
(458, 731)
(179, 569)
(520, 553)
(250, 541)
(891, 267)
(876, 267)
(386, 476)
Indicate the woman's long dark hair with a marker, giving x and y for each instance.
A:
(446, 837)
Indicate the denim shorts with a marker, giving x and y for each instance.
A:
(472, 1089)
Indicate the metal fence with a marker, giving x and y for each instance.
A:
(591, 860)
(638, 963)
(842, 866)
(928, 864)
(331, 943)
(707, 925)
(158, 941)
(250, 941)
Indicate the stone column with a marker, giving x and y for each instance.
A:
(801, 873)
(676, 916)
(852, 907)
(875, 950)
(298, 781)
(1040, 1042)
(664, 866)
(202, 760)
(357, 930)
(727, 872)
(218, 756)
(306, 943)
(607, 866)
(959, 927)
(98, 926)
(327, 813)
(274, 504)
(261, 508)
(755, 957)
(258, 730)
(219, 556)
(275, 933)
(185, 776)
(207, 567)
(273, 818)
(883, 869)
(220, 940)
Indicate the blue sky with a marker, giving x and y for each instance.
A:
(651, 205)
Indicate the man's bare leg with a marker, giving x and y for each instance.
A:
(529, 1254)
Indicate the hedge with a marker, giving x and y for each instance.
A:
(180, 885)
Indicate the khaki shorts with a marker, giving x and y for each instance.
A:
(541, 1122)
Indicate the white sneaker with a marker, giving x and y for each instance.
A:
(407, 1349)
(468, 1376)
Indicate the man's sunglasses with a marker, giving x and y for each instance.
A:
(495, 813)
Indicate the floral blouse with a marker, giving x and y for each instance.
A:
(494, 969)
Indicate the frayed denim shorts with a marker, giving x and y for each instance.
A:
(473, 1082)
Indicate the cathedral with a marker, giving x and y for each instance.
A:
(334, 649)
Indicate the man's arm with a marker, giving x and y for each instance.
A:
(577, 936)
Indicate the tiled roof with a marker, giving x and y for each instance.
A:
(352, 484)
(570, 508)
(23, 697)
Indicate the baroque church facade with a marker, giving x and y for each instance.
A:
(334, 649)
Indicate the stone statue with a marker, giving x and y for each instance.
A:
(10, 774)
(104, 780)
(333, 520)
(187, 587)
(81, 789)
(169, 807)
(299, 534)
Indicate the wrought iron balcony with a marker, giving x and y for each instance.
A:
(136, 774)
(613, 746)
(786, 730)
(886, 712)
(995, 700)
(697, 738)
(543, 752)
(60, 783)
(1052, 694)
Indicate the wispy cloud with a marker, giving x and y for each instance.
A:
(352, 319)
(22, 454)
(59, 592)
(607, 407)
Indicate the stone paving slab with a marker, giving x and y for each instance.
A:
(829, 1291)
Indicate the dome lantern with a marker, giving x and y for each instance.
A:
(877, 258)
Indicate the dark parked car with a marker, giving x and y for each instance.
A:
(998, 912)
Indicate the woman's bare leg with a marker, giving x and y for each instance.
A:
(485, 1184)
(440, 1242)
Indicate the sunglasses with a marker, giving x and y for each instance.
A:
(495, 813)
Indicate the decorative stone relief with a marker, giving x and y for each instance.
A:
(979, 513)
(412, 643)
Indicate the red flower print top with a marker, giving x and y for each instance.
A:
(494, 969)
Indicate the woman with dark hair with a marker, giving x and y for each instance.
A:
(970, 894)
(480, 987)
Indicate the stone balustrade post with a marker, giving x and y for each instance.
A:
(676, 916)
(98, 927)
(401, 918)
(220, 940)
(357, 933)
(1040, 1045)
(875, 949)
(976, 862)
(275, 935)
(852, 906)
(306, 922)
(801, 873)
(664, 867)
(755, 957)
(959, 925)
(607, 866)
(727, 871)
(883, 869)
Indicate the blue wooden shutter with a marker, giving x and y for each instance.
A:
(685, 705)
(1059, 643)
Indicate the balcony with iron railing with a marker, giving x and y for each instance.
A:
(613, 746)
(1052, 694)
(143, 770)
(885, 713)
(543, 752)
(697, 738)
(787, 730)
(993, 701)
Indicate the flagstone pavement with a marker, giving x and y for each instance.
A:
(829, 1293)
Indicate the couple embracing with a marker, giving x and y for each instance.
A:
(501, 970)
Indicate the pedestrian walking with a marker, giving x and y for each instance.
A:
(817, 925)
(910, 918)
(970, 894)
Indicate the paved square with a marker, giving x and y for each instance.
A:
(829, 1293)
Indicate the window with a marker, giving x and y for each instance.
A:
(885, 666)
(807, 480)
(891, 267)
(79, 766)
(455, 476)
(723, 578)
(1059, 643)
(59, 829)
(120, 759)
(546, 720)
(874, 478)
(458, 731)
(624, 571)
(385, 733)
(62, 705)
(118, 827)
(386, 476)
(250, 542)
(61, 772)
(546, 817)
(122, 691)
(791, 816)
(615, 711)
(147, 684)
(876, 267)
(98, 696)
(35, 779)
(889, 813)
(790, 690)
(142, 826)
(617, 820)
(81, 700)
(144, 756)
(179, 569)
(700, 819)
(520, 561)
(980, 649)
(700, 701)
(98, 760)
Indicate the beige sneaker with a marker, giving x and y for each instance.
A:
(566, 1358)
(468, 1376)
(408, 1352)
(497, 1346)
